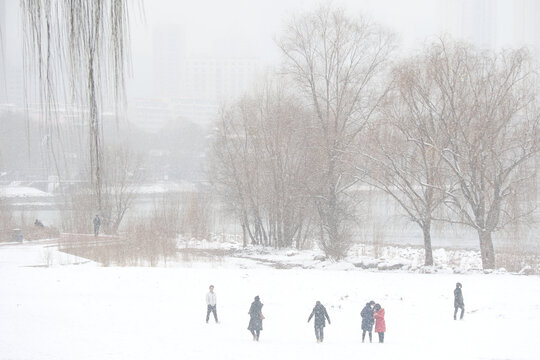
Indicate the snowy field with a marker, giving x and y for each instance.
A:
(86, 311)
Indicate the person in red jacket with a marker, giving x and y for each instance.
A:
(380, 324)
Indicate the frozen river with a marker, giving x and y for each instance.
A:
(380, 222)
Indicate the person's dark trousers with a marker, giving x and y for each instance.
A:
(319, 333)
(462, 311)
(381, 337)
(256, 334)
(211, 309)
(364, 335)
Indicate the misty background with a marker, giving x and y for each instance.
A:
(189, 60)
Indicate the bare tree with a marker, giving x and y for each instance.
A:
(78, 49)
(77, 210)
(399, 159)
(336, 62)
(232, 169)
(483, 122)
(196, 215)
(7, 223)
(122, 176)
(261, 163)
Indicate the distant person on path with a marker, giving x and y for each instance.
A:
(211, 301)
(367, 320)
(38, 223)
(458, 301)
(97, 224)
(380, 324)
(319, 311)
(256, 318)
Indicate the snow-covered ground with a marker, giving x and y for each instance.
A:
(361, 256)
(86, 311)
(15, 191)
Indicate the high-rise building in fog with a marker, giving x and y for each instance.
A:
(188, 88)
(2, 22)
(11, 64)
(494, 24)
(2, 51)
(479, 22)
(218, 79)
(205, 84)
(526, 24)
(472, 20)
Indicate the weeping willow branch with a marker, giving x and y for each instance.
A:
(79, 51)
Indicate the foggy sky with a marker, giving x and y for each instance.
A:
(248, 28)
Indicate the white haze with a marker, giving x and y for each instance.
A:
(247, 29)
(244, 28)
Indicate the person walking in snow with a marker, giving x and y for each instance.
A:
(380, 324)
(211, 301)
(97, 224)
(256, 318)
(458, 301)
(319, 311)
(367, 320)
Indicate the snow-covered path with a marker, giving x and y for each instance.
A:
(89, 312)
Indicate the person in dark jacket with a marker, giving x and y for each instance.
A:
(367, 320)
(380, 324)
(458, 301)
(97, 224)
(319, 311)
(256, 318)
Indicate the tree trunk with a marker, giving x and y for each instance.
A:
(334, 245)
(486, 249)
(426, 229)
(244, 237)
(299, 235)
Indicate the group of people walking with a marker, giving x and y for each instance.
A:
(372, 315)
(255, 312)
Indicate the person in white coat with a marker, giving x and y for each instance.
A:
(211, 303)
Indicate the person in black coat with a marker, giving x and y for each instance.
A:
(97, 224)
(256, 318)
(458, 301)
(367, 320)
(319, 311)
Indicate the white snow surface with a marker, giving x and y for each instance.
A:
(361, 256)
(165, 188)
(85, 311)
(15, 191)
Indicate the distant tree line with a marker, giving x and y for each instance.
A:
(450, 133)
